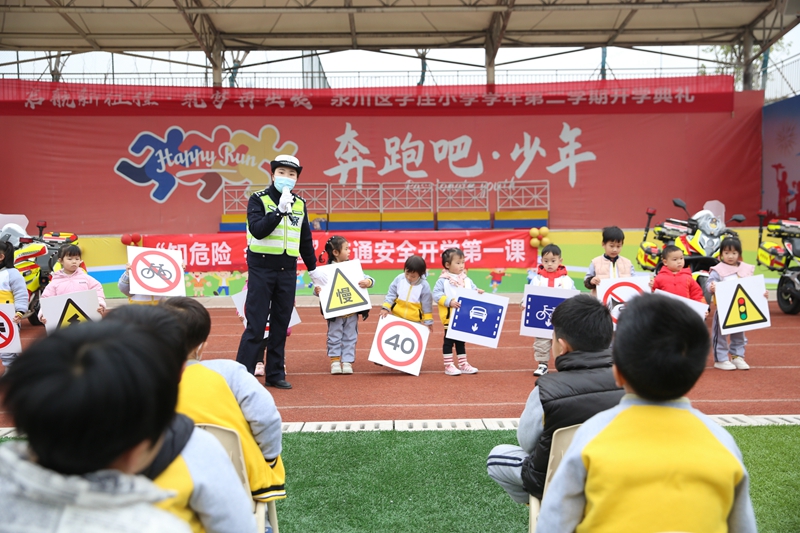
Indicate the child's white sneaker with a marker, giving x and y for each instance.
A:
(451, 370)
(467, 368)
(259, 369)
(739, 363)
(336, 368)
(347, 368)
(724, 365)
(541, 370)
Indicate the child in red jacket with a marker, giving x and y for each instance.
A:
(675, 279)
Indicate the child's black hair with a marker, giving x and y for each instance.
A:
(613, 234)
(731, 243)
(551, 249)
(584, 323)
(194, 317)
(416, 264)
(7, 249)
(88, 393)
(69, 250)
(661, 347)
(158, 321)
(449, 254)
(668, 249)
(335, 243)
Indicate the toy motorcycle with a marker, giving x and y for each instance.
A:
(35, 258)
(779, 259)
(699, 238)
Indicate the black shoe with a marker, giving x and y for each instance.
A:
(280, 384)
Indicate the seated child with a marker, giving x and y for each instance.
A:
(551, 273)
(224, 393)
(582, 387)
(93, 401)
(192, 463)
(610, 264)
(72, 278)
(653, 463)
(409, 296)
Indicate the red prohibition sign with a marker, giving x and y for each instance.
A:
(171, 283)
(610, 292)
(389, 359)
(5, 341)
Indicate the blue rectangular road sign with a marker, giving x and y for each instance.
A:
(539, 304)
(480, 318)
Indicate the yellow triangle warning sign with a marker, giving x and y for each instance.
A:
(344, 295)
(742, 312)
(72, 314)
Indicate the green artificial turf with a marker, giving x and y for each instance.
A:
(436, 481)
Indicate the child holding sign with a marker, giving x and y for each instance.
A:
(551, 273)
(731, 267)
(409, 296)
(72, 278)
(342, 330)
(12, 291)
(451, 277)
(610, 264)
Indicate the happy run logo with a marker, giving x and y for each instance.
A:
(191, 158)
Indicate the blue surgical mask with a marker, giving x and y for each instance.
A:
(283, 182)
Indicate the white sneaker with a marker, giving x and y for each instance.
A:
(725, 365)
(336, 368)
(467, 368)
(451, 370)
(259, 369)
(541, 371)
(347, 368)
(739, 363)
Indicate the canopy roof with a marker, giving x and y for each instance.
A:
(216, 25)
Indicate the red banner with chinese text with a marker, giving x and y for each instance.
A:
(375, 249)
(698, 94)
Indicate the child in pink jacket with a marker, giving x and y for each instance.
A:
(72, 278)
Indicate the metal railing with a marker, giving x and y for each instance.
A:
(514, 195)
(783, 80)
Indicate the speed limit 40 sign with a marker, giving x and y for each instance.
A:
(399, 344)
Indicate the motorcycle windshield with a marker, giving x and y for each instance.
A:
(716, 207)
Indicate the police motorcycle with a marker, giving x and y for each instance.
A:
(699, 237)
(35, 258)
(778, 258)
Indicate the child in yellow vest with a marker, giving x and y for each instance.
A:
(610, 264)
(409, 296)
(12, 291)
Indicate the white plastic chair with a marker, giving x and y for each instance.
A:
(233, 446)
(561, 441)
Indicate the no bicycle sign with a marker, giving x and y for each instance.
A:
(156, 272)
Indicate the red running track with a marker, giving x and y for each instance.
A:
(501, 387)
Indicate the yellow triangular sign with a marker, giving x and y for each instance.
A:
(344, 294)
(742, 312)
(72, 314)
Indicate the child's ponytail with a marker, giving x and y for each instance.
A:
(335, 243)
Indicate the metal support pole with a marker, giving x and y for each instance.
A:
(489, 68)
(764, 67)
(112, 68)
(747, 62)
(216, 65)
(604, 53)
(17, 63)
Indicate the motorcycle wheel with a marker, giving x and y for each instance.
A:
(33, 309)
(787, 301)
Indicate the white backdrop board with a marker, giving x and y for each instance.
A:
(9, 333)
(341, 295)
(615, 292)
(239, 300)
(741, 305)
(67, 309)
(540, 302)
(698, 307)
(156, 271)
(399, 344)
(480, 318)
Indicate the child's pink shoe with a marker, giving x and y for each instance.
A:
(467, 368)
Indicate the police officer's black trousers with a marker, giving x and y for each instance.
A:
(267, 286)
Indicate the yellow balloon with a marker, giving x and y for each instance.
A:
(543, 231)
(534, 232)
(545, 241)
(534, 243)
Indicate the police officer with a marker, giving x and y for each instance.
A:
(277, 234)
